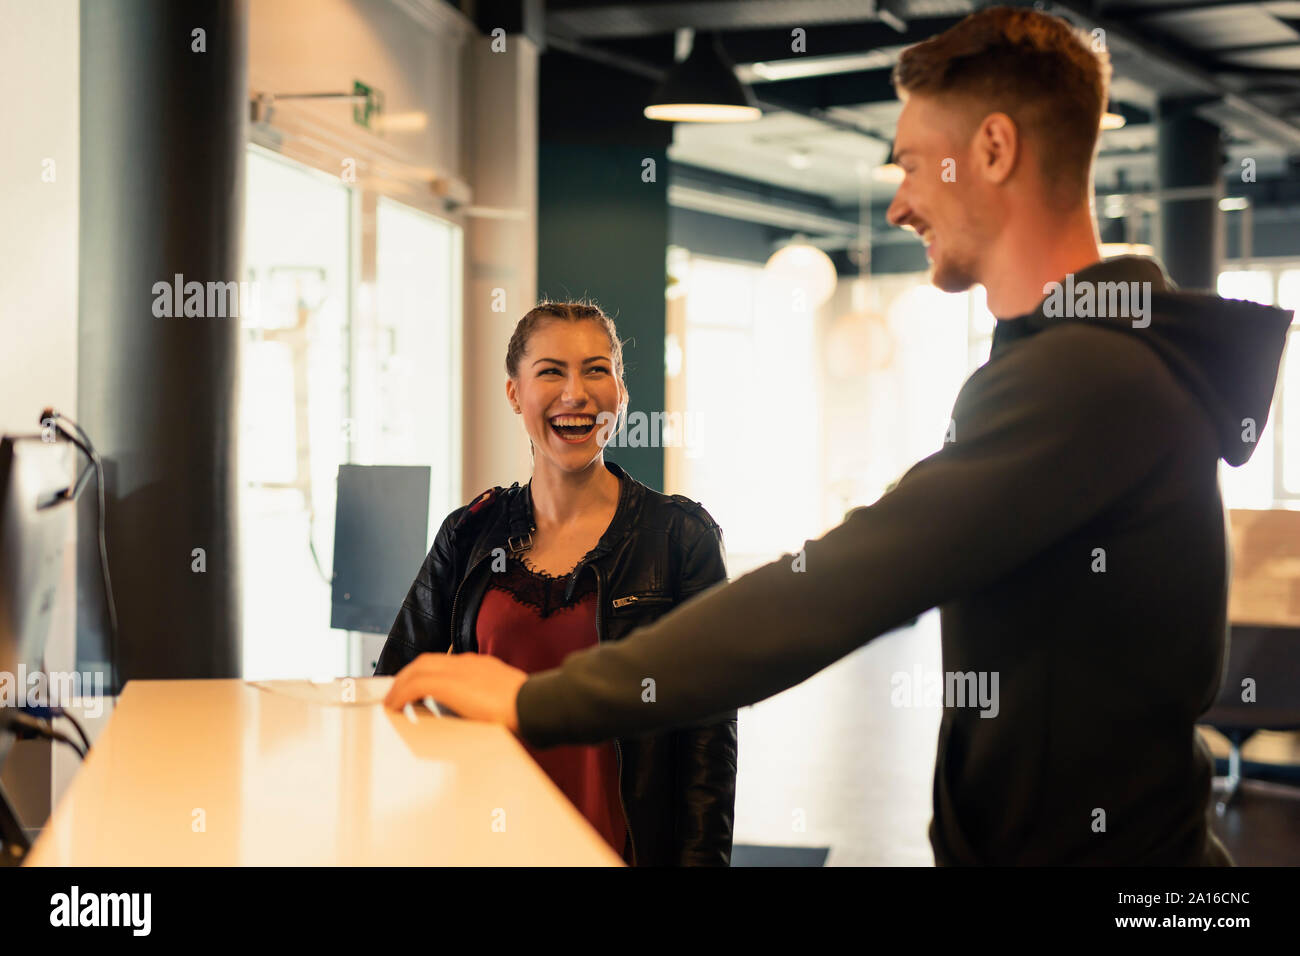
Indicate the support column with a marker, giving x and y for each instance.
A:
(500, 250)
(603, 220)
(1189, 153)
(164, 102)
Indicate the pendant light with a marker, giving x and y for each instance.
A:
(861, 341)
(801, 267)
(703, 88)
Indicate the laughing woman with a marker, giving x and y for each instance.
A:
(582, 554)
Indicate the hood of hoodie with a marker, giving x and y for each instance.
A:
(1225, 351)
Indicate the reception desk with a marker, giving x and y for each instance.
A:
(228, 773)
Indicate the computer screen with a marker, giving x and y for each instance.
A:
(380, 538)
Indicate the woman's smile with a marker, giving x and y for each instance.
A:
(574, 429)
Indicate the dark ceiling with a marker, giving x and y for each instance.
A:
(1234, 63)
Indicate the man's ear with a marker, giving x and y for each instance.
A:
(997, 147)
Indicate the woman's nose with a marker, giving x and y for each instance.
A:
(575, 390)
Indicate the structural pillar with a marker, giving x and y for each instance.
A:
(164, 103)
(603, 221)
(1189, 153)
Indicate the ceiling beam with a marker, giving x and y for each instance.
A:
(579, 19)
(1294, 42)
(1265, 74)
(752, 46)
(762, 211)
(767, 102)
(1145, 57)
(1145, 11)
(825, 92)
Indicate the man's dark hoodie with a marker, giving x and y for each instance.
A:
(1072, 534)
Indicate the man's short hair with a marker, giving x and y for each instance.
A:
(1052, 80)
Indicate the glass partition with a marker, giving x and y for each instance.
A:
(351, 355)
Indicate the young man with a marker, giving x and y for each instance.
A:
(1071, 530)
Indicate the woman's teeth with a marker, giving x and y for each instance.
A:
(573, 427)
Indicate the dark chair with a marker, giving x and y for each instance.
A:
(1270, 657)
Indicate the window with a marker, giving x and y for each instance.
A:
(820, 412)
(1288, 394)
(751, 418)
(293, 382)
(1272, 476)
(334, 370)
(406, 398)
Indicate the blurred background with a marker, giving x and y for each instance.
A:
(398, 181)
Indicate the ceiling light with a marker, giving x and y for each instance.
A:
(888, 173)
(799, 67)
(803, 267)
(1112, 121)
(1111, 249)
(703, 88)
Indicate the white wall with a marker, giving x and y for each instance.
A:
(410, 50)
(500, 252)
(39, 70)
(39, 67)
(480, 130)
(419, 53)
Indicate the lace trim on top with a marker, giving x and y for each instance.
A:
(538, 590)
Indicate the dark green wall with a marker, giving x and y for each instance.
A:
(603, 230)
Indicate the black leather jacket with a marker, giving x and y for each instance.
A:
(678, 788)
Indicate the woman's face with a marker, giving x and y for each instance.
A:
(566, 389)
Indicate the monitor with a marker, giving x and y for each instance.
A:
(380, 537)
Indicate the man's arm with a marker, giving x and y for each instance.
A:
(705, 754)
(1046, 437)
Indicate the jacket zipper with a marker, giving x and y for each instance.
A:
(455, 602)
(618, 749)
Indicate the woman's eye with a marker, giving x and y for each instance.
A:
(547, 371)
(599, 368)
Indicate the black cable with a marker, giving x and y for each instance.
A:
(81, 731)
(41, 728)
(87, 447)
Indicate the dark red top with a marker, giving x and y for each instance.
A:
(525, 621)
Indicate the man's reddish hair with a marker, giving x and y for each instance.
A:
(1038, 69)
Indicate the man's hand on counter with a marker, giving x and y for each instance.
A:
(475, 686)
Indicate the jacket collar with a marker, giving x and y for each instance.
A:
(518, 524)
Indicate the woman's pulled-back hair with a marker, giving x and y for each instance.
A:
(578, 311)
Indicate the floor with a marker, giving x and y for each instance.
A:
(812, 770)
(1261, 826)
(810, 759)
